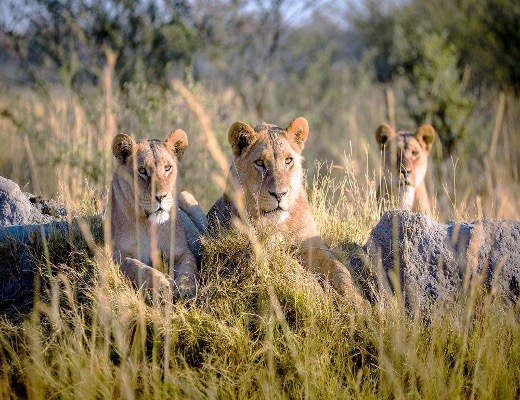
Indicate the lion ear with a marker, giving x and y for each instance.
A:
(177, 142)
(384, 133)
(240, 137)
(297, 133)
(425, 136)
(122, 147)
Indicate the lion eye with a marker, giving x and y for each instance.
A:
(142, 170)
(167, 168)
(288, 160)
(260, 163)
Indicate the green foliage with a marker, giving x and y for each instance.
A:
(499, 52)
(374, 25)
(147, 40)
(435, 93)
(447, 51)
(484, 33)
(274, 63)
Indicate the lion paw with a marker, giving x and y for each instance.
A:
(185, 287)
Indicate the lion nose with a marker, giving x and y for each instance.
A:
(160, 196)
(278, 195)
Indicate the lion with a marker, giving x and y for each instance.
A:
(267, 171)
(406, 161)
(145, 203)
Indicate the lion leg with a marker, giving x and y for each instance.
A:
(190, 206)
(185, 275)
(319, 259)
(144, 276)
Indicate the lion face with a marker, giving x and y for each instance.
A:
(268, 167)
(151, 170)
(406, 158)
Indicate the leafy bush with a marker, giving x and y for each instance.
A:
(435, 91)
(147, 39)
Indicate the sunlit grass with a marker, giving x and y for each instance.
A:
(261, 326)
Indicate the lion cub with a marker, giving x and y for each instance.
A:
(267, 171)
(145, 197)
(406, 161)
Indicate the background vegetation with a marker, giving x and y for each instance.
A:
(346, 67)
(73, 73)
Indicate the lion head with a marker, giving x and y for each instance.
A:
(406, 158)
(267, 167)
(154, 166)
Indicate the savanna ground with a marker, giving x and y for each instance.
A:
(265, 328)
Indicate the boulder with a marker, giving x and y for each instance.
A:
(18, 208)
(15, 207)
(428, 261)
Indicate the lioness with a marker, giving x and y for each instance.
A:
(141, 206)
(406, 161)
(267, 169)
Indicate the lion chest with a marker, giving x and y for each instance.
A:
(407, 197)
(141, 243)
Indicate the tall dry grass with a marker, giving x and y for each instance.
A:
(68, 135)
(261, 326)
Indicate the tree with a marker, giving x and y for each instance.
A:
(435, 92)
(146, 38)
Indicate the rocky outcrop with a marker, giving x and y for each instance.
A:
(19, 208)
(431, 261)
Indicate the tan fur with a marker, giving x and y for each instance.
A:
(274, 193)
(142, 230)
(406, 162)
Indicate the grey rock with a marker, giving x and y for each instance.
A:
(18, 208)
(428, 261)
(15, 207)
(17, 265)
(51, 209)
